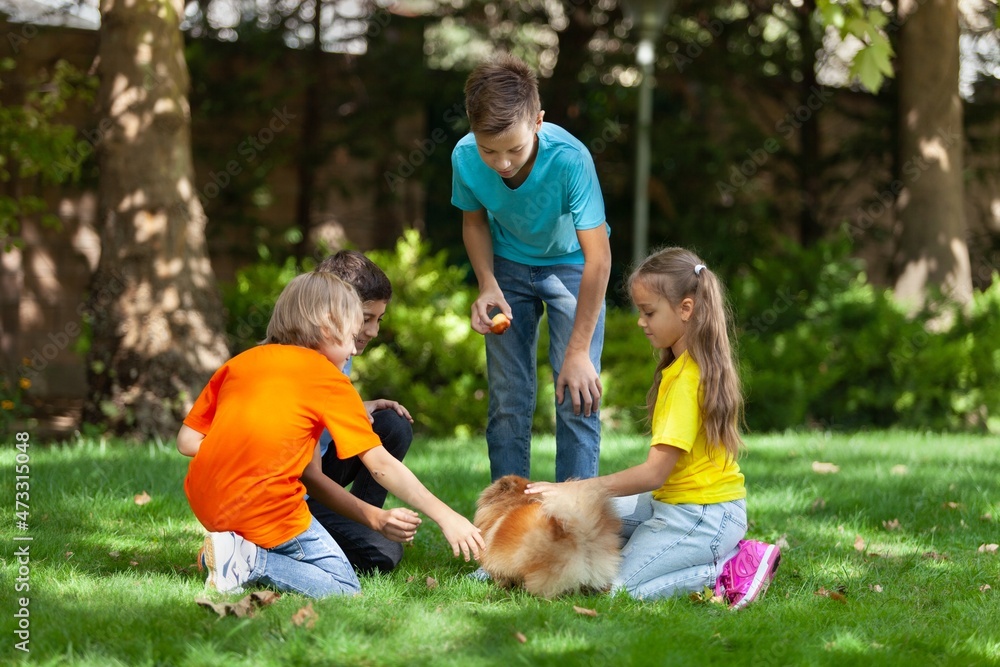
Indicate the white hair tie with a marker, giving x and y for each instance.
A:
(698, 268)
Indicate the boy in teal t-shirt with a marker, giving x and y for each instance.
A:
(534, 227)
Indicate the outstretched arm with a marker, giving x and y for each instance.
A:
(647, 476)
(401, 482)
(398, 525)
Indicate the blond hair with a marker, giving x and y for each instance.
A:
(314, 307)
(676, 274)
(500, 93)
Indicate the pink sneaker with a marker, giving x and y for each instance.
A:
(746, 576)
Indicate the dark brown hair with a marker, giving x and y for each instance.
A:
(367, 278)
(500, 93)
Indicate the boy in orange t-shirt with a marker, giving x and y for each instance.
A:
(253, 431)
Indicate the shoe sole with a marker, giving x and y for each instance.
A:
(208, 553)
(761, 578)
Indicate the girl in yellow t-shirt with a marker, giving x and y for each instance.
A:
(683, 509)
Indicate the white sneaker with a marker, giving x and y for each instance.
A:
(229, 560)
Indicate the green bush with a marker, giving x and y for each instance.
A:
(819, 346)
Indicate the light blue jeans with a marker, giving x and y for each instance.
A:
(676, 549)
(311, 564)
(512, 372)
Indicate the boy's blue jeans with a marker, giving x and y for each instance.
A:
(311, 564)
(512, 370)
(676, 549)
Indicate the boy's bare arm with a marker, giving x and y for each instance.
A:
(479, 246)
(578, 374)
(401, 482)
(189, 440)
(398, 525)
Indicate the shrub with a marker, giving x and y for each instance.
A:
(819, 346)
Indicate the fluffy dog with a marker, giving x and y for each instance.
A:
(551, 545)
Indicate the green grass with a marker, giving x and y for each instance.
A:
(114, 583)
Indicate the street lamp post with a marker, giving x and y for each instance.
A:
(648, 16)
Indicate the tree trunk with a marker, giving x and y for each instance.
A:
(156, 316)
(932, 253)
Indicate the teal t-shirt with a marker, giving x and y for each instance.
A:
(536, 223)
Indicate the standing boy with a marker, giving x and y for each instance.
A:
(533, 224)
(366, 549)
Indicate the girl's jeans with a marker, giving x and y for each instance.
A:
(311, 564)
(512, 371)
(676, 549)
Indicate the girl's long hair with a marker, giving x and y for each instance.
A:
(670, 272)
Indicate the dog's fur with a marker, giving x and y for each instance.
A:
(551, 545)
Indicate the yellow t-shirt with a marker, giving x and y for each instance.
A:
(677, 422)
(261, 414)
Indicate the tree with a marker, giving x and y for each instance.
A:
(932, 250)
(154, 309)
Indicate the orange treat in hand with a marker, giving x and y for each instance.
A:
(500, 323)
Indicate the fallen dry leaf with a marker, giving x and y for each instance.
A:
(410, 579)
(782, 542)
(242, 608)
(519, 636)
(142, 498)
(988, 548)
(891, 525)
(824, 468)
(114, 554)
(431, 582)
(859, 543)
(986, 517)
(933, 555)
(819, 504)
(984, 588)
(305, 616)
(68, 554)
(899, 470)
(951, 505)
(583, 611)
(876, 587)
(833, 595)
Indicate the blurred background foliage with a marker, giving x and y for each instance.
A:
(837, 354)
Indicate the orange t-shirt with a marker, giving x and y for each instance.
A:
(261, 414)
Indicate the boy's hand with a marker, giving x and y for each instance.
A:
(399, 524)
(385, 404)
(462, 536)
(488, 300)
(579, 376)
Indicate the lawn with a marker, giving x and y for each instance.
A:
(886, 560)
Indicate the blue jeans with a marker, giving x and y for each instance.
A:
(512, 372)
(311, 564)
(676, 549)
